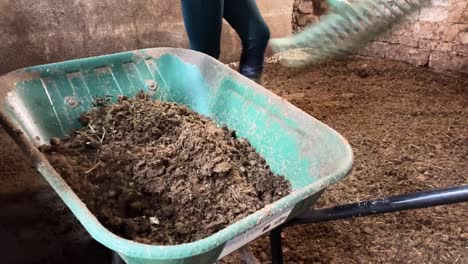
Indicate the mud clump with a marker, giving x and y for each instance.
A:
(159, 173)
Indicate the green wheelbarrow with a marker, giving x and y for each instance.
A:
(41, 102)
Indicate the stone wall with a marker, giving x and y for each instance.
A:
(36, 32)
(436, 36)
(306, 12)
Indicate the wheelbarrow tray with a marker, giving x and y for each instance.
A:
(41, 102)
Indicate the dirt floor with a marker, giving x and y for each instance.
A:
(159, 173)
(409, 131)
(35, 226)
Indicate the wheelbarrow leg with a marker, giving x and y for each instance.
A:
(247, 256)
(275, 246)
(116, 259)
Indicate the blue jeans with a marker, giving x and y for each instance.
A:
(203, 22)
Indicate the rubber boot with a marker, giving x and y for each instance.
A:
(258, 79)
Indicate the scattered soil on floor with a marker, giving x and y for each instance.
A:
(159, 173)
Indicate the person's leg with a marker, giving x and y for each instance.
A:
(245, 18)
(203, 22)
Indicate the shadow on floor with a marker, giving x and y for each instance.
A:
(36, 227)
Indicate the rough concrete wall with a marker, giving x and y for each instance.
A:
(36, 32)
(436, 36)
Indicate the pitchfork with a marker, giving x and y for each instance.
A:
(349, 26)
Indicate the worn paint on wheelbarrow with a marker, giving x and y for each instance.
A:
(41, 102)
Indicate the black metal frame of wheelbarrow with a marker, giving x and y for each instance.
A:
(396, 203)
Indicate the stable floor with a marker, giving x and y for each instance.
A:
(408, 128)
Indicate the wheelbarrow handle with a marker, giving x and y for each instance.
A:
(390, 204)
(395, 203)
